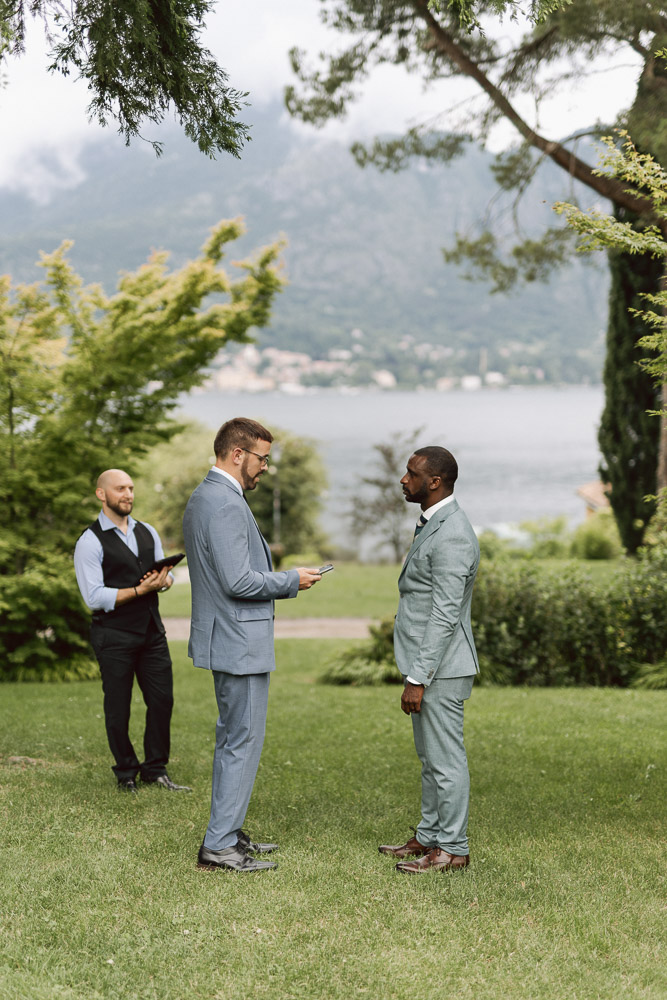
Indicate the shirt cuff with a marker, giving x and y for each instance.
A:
(411, 680)
(109, 595)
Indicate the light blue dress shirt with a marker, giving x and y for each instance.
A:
(88, 556)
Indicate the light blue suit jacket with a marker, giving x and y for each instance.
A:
(232, 580)
(433, 633)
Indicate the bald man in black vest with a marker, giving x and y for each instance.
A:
(113, 560)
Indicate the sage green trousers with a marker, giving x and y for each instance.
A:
(438, 734)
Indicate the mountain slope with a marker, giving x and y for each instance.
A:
(364, 249)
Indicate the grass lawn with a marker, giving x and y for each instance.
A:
(361, 590)
(565, 897)
(352, 591)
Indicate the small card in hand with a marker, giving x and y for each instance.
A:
(167, 561)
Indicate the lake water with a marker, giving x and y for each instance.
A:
(522, 453)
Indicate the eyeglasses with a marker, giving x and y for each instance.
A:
(264, 459)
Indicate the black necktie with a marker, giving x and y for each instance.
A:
(420, 524)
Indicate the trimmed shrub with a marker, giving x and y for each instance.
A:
(542, 628)
(372, 663)
(547, 628)
(548, 538)
(597, 538)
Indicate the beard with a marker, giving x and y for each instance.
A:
(249, 482)
(123, 508)
(419, 496)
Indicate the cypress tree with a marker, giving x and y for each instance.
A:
(629, 437)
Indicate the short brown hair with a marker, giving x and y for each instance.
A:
(240, 432)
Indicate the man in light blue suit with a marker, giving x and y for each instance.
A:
(435, 652)
(233, 593)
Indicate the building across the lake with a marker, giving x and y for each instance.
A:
(595, 495)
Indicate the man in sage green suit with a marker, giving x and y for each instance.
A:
(435, 652)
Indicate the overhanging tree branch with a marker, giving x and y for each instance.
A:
(140, 58)
(608, 187)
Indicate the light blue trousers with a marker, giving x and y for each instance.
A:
(239, 738)
(438, 733)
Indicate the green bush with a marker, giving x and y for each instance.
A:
(541, 628)
(44, 604)
(493, 547)
(597, 538)
(536, 626)
(548, 538)
(652, 676)
(91, 381)
(548, 628)
(372, 663)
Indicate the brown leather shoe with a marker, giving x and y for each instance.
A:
(412, 849)
(435, 860)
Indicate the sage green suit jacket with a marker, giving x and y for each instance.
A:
(433, 632)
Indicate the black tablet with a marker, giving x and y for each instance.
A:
(167, 561)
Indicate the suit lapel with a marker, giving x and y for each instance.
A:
(432, 526)
(265, 544)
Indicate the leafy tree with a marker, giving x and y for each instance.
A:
(598, 231)
(138, 57)
(166, 477)
(429, 39)
(288, 499)
(87, 382)
(380, 510)
(468, 11)
(435, 41)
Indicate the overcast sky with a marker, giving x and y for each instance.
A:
(43, 123)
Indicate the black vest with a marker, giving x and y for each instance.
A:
(121, 568)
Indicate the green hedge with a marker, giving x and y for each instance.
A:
(371, 663)
(550, 628)
(558, 628)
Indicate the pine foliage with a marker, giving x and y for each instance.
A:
(139, 58)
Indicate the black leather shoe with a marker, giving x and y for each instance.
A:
(127, 785)
(244, 843)
(231, 859)
(164, 781)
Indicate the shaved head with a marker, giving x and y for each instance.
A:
(116, 491)
(110, 476)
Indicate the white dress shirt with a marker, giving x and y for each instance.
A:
(235, 482)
